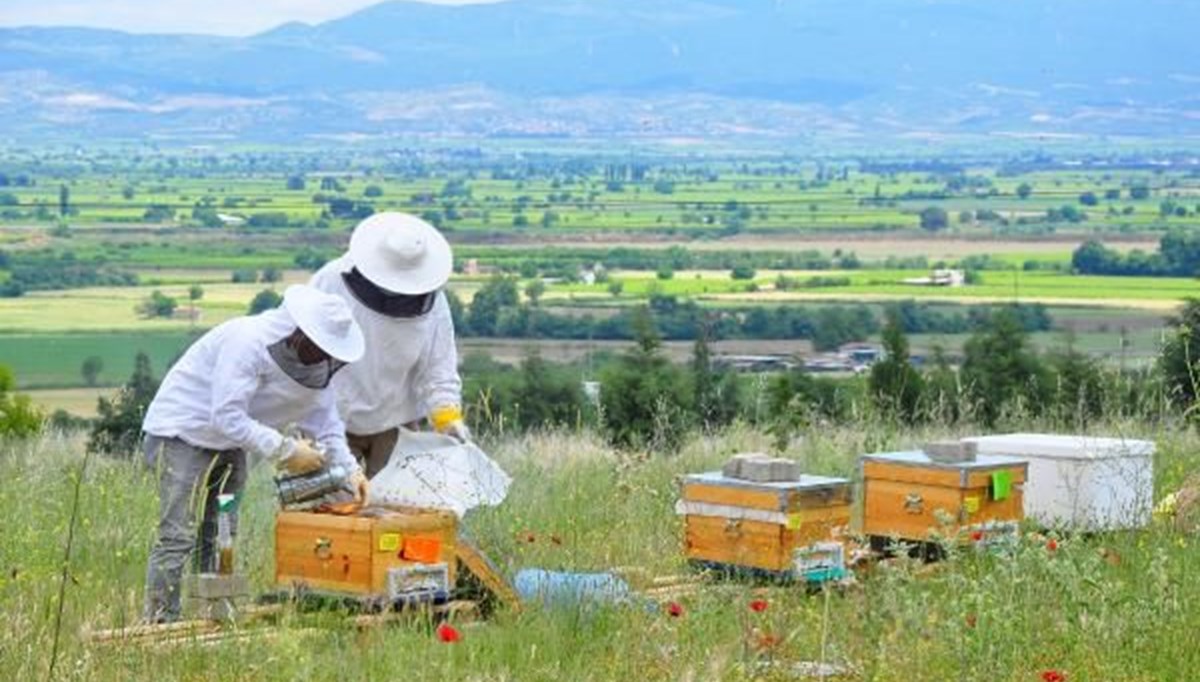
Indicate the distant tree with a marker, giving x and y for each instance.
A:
(265, 300)
(1179, 360)
(128, 193)
(664, 272)
(9, 199)
(157, 304)
(309, 259)
(1139, 192)
(1112, 194)
(373, 191)
(1001, 371)
(895, 386)
(195, 293)
(244, 276)
(91, 368)
(664, 186)
(644, 396)
(295, 183)
(1089, 199)
(19, 417)
(1024, 190)
(158, 213)
(495, 296)
(742, 272)
(934, 218)
(715, 392)
(64, 201)
(534, 291)
(615, 287)
(118, 426)
(270, 275)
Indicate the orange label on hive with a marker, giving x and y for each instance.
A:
(389, 542)
(423, 550)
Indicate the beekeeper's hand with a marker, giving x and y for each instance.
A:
(360, 485)
(302, 457)
(448, 420)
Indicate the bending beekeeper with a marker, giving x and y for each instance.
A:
(229, 397)
(392, 277)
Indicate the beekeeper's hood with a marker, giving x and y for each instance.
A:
(326, 320)
(401, 254)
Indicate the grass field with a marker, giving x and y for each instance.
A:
(1151, 293)
(1101, 607)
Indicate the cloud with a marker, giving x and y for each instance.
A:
(220, 17)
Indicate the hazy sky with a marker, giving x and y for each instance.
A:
(221, 17)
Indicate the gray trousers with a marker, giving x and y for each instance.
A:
(189, 480)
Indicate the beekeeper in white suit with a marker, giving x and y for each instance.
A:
(230, 396)
(392, 277)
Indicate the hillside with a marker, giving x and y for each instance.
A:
(663, 67)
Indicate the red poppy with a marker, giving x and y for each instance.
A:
(976, 535)
(758, 605)
(529, 537)
(448, 633)
(674, 609)
(1052, 544)
(1053, 676)
(971, 620)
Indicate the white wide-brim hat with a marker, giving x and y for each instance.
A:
(326, 320)
(401, 253)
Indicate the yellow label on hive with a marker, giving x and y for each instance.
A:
(794, 521)
(971, 504)
(389, 542)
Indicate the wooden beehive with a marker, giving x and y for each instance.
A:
(911, 496)
(352, 554)
(744, 524)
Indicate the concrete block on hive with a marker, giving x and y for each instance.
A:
(951, 451)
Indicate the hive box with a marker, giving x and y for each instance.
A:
(912, 496)
(747, 524)
(353, 555)
(1082, 483)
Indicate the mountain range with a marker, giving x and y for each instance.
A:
(837, 69)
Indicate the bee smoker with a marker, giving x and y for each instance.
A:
(312, 485)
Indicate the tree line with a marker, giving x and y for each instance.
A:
(1178, 255)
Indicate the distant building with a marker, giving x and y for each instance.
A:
(940, 278)
(231, 220)
(754, 363)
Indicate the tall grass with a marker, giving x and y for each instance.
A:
(1107, 607)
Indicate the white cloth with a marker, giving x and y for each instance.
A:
(433, 471)
(226, 392)
(409, 368)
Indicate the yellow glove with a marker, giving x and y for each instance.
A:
(448, 420)
(359, 484)
(302, 458)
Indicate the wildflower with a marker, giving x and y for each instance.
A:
(675, 609)
(758, 605)
(765, 641)
(971, 620)
(1052, 545)
(555, 540)
(448, 633)
(1053, 676)
(976, 535)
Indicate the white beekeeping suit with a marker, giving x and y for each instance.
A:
(392, 278)
(228, 392)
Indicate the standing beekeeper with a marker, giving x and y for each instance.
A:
(252, 386)
(392, 277)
